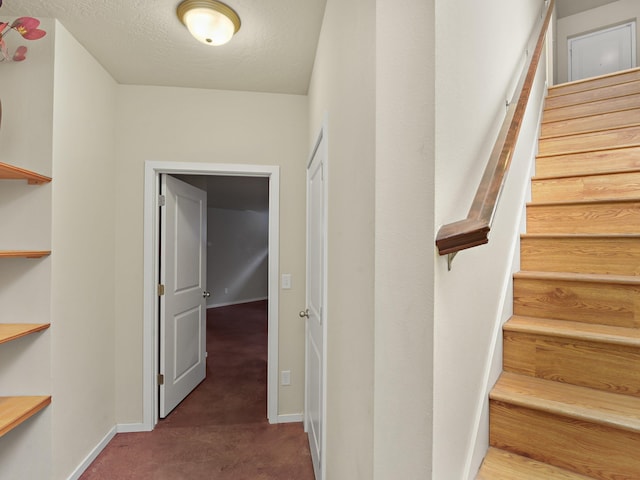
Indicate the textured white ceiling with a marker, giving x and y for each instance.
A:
(142, 42)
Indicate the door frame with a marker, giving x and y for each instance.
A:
(150, 361)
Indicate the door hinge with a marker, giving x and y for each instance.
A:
(160, 290)
(162, 200)
(160, 379)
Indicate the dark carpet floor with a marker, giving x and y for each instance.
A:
(220, 430)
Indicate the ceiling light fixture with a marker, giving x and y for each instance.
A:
(209, 21)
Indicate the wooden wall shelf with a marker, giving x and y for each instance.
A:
(24, 253)
(11, 172)
(15, 410)
(13, 331)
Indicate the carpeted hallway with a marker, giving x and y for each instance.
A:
(220, 430)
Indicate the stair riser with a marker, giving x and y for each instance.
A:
(595, 187)
(617, 305)
(598, 451)
(586, 96)
(608, 255)
(619, 138)
(597, 83)
(592, 108)
(589, 163)
(621, 217)
(611, 368)
(590, 124)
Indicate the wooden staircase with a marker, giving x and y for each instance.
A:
(567, 405)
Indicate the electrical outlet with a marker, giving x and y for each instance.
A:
(285, 377)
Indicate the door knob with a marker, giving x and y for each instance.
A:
(304, 313)
(206, 294)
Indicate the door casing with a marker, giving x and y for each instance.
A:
(150, 366)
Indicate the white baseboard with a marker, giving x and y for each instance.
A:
(132, 428)
(92, 455)
(291, 418)
(236, 302)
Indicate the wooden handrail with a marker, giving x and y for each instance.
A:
(474, 230)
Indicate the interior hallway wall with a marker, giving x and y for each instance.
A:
(177, 125)
(26, 140)
(237, 256)
(342, 91)
(59, 119)
(83, 244)
(404, 232)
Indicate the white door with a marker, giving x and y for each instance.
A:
(605, 51)
(183, 260)
(315, 322)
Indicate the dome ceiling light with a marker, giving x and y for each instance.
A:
(209, 21)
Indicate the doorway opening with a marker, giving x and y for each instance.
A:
(153, 172)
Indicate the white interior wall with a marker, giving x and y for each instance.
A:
(404, 232)
(192, 125)
(63, 126)
(591, 20)
(469, 300)
(83, 244)
(237, 256)
(342, 91)
(25, 215)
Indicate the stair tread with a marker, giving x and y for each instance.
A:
(503, 465)
(581, 235)
(589, 174)
(579, 277)
(589, 201)
(586, 174)
(576, 330)
(579, 403)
